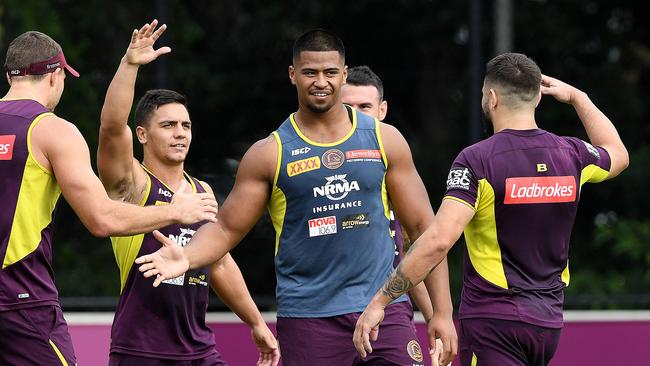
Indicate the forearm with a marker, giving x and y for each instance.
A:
(228, 283)
(599, 128)
(119, 97)
(421, 298)
(437, 285)
(123, 219)
(209, 244)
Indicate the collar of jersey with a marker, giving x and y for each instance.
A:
(328, 144)
(187, 177)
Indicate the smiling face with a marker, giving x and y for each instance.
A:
(167, 135)
(318, 77)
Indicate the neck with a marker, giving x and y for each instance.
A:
(524, 120)
(26, 90)
(170, 174)
(324, 127)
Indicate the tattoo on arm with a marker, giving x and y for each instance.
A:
(397, 284)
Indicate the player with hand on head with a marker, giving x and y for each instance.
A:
(178, 307)
(515, 195)
(42, 157)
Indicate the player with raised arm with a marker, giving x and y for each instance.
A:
(164, 128)
(515, 195)
(42, 156)
(325, 175)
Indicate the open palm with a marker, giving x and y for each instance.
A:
(166, 263)
(141, 51)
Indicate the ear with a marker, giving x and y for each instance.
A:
(292, 74)
(383, 110)
(54, 76)
(493, 102)
(539, 98)
(8, 78)
(141, 133)
(345, 74)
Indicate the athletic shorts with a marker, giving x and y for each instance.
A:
(120, 359)
(328, 341)
(35, 336)
(487, 342)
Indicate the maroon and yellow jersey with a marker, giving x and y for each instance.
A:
(524, 186)
(177, 307)
(28, 195)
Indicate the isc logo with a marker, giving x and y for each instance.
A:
(7, 146)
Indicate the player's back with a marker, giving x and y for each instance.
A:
(28, 193)
(525, 186)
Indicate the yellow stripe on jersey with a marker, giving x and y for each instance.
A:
(37, 198)
(126, 248)
(58, 353)
(474, 359)
(328, 144)
(381, 142)
(277, 167)
(384, 198)
(481, 236)
(277, 209)
(593, 174)
(566, 276)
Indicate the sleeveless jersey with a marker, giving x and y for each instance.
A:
(28, 195)
(329, 207)
(168, 321)
(525, 186)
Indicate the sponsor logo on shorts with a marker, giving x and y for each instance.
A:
(333, 158)
(322, 226)
(459, 178)
(415, 351)
(23, 296)
(303, 166)
(592, 150)
(363, 155)
(197, 280)
(523, 190)
(302, 150)
(7, 146)
(336, 188)
(355, 221)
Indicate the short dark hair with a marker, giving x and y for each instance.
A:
(153, 99)
(28, 48)
(364, 76)
(518, 76)
(319, 40)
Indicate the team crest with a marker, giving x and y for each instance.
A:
(415, 351)
(333, 158)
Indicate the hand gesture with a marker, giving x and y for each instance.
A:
(435, 352)
(367, 329)
(140, 51)
(267, 345)
(442, 334)
(195, 207)
(168, 262)
(561, 91)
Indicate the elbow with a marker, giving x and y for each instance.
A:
(436, 248)
(100, 227)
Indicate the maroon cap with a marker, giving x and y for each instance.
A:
(44, 67)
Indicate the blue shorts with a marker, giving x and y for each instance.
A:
(487, 342)
(328, 341)
(35, 336)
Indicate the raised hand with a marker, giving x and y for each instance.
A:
(141, 51)
(166, 263)
(367, 329)
(195, 207)
(267, 345)
(560, 90)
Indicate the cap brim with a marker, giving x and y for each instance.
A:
(72, 71)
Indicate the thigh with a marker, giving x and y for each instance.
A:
(317, 341)
(35, 336)
(398, 343)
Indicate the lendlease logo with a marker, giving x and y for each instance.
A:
(7, 146)
(522, 190)
(336, 188)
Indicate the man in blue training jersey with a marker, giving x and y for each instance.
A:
(164, 128)
(515, 195)
(325, 175)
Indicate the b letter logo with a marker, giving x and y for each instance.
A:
(7, 146)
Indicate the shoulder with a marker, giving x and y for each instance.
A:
(205, 186)
(261, 158)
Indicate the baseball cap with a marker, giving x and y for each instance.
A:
(44, 67)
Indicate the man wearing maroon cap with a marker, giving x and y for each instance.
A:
(42, 156)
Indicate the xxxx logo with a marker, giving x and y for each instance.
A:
(302, 166)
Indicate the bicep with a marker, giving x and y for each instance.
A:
(451, 219)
